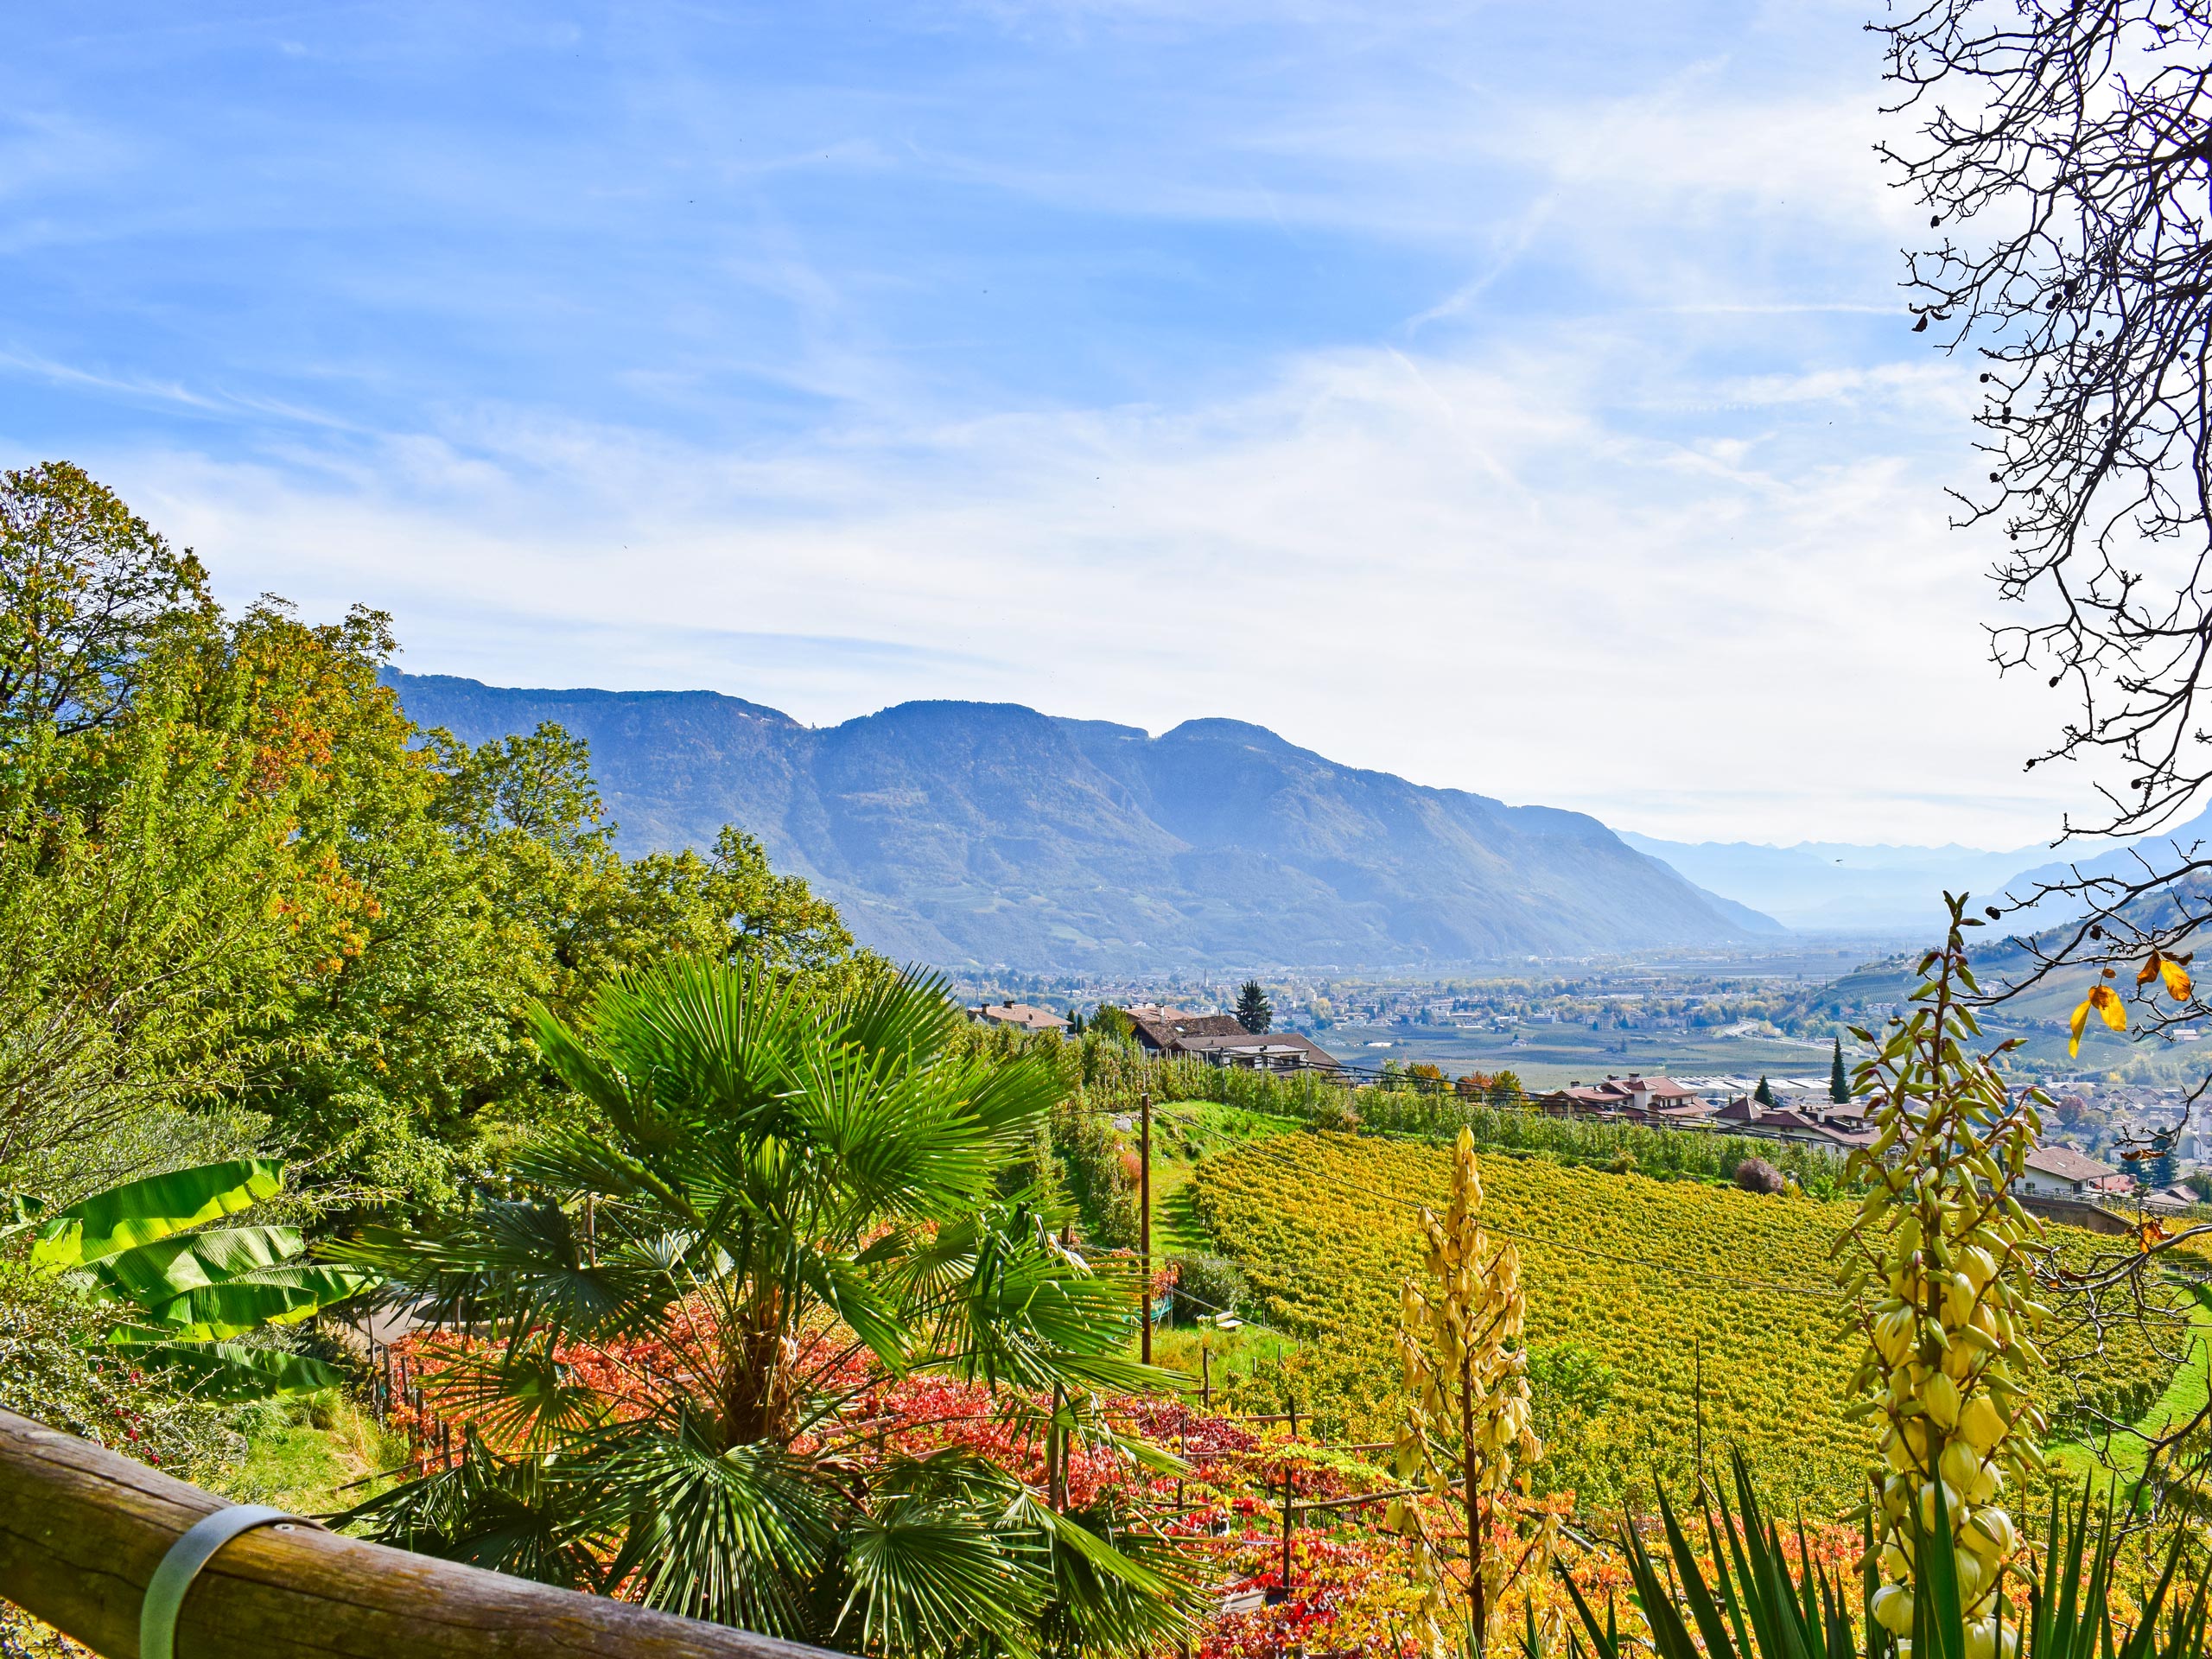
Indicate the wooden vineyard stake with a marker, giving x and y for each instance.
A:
(1206, 1377)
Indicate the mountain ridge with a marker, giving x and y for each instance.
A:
(991, 834)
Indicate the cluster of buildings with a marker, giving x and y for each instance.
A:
(1803, 1112)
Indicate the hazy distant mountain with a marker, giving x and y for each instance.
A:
(960, 833)
(2153, 856)
(1833, 886)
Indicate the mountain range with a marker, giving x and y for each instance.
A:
(980, 835)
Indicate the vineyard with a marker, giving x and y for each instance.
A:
(1706, 1310)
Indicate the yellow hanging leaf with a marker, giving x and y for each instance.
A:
(2177, 979)
(2150, 969)
(2105, 1001)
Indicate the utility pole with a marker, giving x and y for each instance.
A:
(1144, 1216)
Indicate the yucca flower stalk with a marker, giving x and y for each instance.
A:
(1937, 1267)
(1465, 1419)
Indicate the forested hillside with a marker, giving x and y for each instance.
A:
(964, 833)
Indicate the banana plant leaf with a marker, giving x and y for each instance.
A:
(228, 1370)
(170, 1267)
(208, 1312)
(139, 1213)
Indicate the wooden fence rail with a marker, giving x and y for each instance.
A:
(82, 1529)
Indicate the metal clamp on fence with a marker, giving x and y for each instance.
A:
(165, 1590)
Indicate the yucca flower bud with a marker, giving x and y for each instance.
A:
(1465, 1385)
(1892, 1609)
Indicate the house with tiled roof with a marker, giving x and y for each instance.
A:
(1022, 1016)
(1221, 1039)
(1162, 1031)
(2063, 1173)
(1650, 1099)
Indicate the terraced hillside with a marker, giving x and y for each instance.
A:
(1701, 1302)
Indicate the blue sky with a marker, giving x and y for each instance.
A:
(1517, 397)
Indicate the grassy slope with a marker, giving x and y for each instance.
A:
(1185, 1133)
(2184, 1397)
(311, 1456)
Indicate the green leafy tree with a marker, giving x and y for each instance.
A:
(1506, 1089)
(233, 874)
(1112, 1023)
(1254, 1012)
(779, 1198)
(1764, 1093)
(1839, 1082)
(85, 588)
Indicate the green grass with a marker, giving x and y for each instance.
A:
(312, 1456)
(1185, 1133)
(1244, 1358)
(2184, 1397)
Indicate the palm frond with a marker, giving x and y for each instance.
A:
(911, 1019)
(734, 1538)
(519, 1265)
(927, 1569)
(530, 1517)
(522, 1396)
(1116, 1589)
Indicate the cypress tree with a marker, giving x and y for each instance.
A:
(1254, 1012)
(1839, 1084)
(1763, 1094)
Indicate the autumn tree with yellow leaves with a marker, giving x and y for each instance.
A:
(1465, 1425)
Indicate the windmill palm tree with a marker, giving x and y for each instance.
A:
(777, 1205)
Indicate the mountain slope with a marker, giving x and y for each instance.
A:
(961, 833)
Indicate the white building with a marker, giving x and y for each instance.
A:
(2062, 1173)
